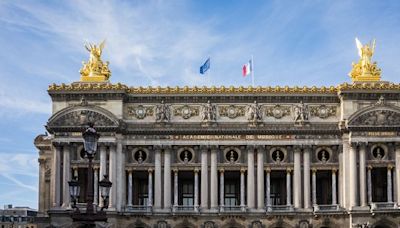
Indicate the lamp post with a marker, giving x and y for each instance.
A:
(90, 137)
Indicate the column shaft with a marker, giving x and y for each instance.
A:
(389, 185)
(167, 179)
(196, 189)
(176, 188)
(397, 174)
(288, 188)
(150, 188)
(297, 179)
(306, 176)
(55, 177)
(204, 179)
(120, 168)
(242, 203)
(260, 179)
(314, 187)
(221, 189)
(66, 175)
(157, 179)
(363, 179)
(250, 179)
(129, 188)
(268, 188)
(334, 197)
(113, 178)
(214, 180)
(353, 176)
(369, 182)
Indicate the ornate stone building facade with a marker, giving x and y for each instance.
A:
(228, 157)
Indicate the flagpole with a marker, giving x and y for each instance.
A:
(252, 70)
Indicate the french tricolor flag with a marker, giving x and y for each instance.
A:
(247, 68)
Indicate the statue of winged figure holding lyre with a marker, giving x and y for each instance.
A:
(95, 69)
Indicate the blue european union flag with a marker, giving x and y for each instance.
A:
(205, 66)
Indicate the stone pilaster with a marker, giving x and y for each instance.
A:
(167, 178)
(213, 180)
(157, 179)
(353, 175)
(363, 178)
(66, 175)
(250, 178)
(306, 177)
(56, 177)
(204, 178)
(297, 178)
(113, 178)
(260, 179)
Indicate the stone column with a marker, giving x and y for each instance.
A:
(250, 178)
(221, 189)
(120, 168)
(369, 182)
(157, 179)
(103, 168)
(314, 187)
(268, 188)
(42, 185)
(113, 178)
(129, 187)
(175, 188)
(96, 185)
(56, 177)
(260, 179)
(353, 175)
(389, 184)
(344, 173)
(334, 197)
(363, 179)
(297, 178)
(204, 178)
(288, 188)
(167, 179)
(196, 190)
(397, 173)
(306, 176)
(214, 180)
(66, 175)
(242, 203)
(150, 188)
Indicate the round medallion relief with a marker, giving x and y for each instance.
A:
(378, 152)
(186, 156)
(323, 155)
(232, 156)
(278, 155)
(140, 156)
(140, 112)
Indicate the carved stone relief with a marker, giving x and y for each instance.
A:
(277, 111)
(186, 111)
(377, 117)
(80, 117)
(323, 111)
(163, 113)
(231, 111)
(140, 111)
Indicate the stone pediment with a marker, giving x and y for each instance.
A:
(376, 116)
(78, 116)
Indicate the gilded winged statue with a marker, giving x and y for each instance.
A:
(95, 70)
(365, 70)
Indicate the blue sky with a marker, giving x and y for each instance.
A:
(164, 43)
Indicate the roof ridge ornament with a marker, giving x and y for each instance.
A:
(365, 70)
(95, 70)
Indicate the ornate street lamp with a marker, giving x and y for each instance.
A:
(105, 186)
(90, 137)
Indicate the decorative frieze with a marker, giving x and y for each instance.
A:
(231, 111)
(140, 111)
(277, 111)
(323, 111)
(186, 111)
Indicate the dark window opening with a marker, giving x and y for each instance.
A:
(278, 188)
(324, 187)
(379, 184)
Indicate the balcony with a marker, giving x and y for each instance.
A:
(280, 208)
(138, 209)
(326, 208)
(185, 209)
(383, 206)
(230, 209)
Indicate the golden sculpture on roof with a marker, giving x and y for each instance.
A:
(95, 70)
(365, 70)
